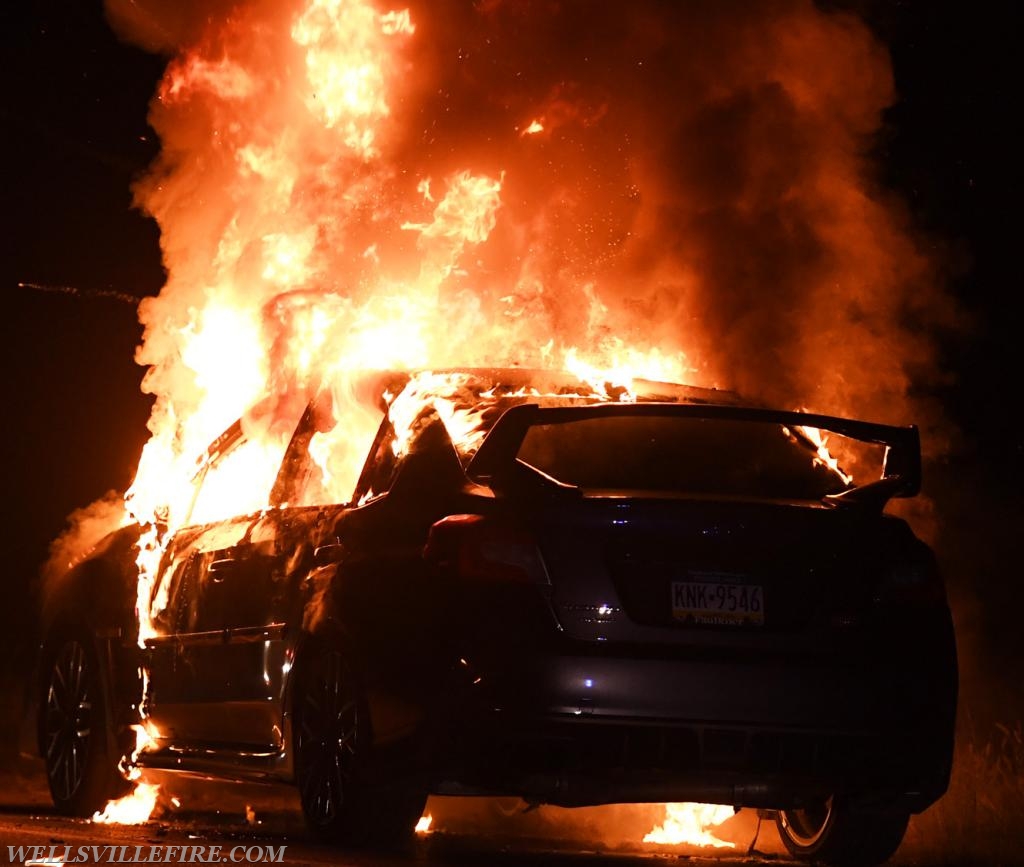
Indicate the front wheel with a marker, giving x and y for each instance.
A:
(332, 755)
(81, 772)
(832, 832)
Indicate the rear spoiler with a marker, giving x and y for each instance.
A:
(901, 469)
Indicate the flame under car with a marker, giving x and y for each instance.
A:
(575, 600)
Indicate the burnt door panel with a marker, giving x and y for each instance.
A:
(190, 675)
(167, 686)
(247, 592)
(245, 586)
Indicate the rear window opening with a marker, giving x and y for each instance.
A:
(664, 454)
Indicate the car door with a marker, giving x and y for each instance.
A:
(187, 673)
(215, 665)
(254, 584)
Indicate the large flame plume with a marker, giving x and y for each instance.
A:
(672, 190)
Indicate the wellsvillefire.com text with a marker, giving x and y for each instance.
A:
(50, 856)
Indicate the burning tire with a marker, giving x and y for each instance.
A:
(831, 832)
(332, 740)
(73, 729)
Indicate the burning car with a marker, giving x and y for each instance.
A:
(573, 594)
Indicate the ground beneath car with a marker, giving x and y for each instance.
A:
(471, 832)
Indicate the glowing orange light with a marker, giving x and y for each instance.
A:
(689, 824)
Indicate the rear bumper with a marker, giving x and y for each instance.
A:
(585, 761)
(582, 728)
(826, 695)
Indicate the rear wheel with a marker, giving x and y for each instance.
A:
(81, 773)
(832, 832)
(332, 760)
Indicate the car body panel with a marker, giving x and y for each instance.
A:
(519, 686)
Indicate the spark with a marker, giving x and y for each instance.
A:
(81, 293)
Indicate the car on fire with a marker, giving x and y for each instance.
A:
(585, 600)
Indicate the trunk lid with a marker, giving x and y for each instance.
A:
(639, 569)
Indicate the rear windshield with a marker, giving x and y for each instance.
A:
(680, 455)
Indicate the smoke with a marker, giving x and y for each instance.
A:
(706, 166)
(161, 26)
(86, 527)
(691, 178)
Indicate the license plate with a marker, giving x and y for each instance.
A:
(717, 603)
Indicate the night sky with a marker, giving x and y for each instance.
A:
(74, 126)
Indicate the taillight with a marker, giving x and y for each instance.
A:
(912, 582)
(485, 549)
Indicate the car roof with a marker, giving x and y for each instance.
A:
(542, 385)
(514, 385)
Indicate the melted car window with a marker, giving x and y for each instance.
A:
(327, 455)
(238, 482)
(679, 455)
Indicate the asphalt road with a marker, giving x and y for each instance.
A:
(468, 833)
(28, 829)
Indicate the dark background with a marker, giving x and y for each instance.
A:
(74, 135)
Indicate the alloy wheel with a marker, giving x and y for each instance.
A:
(329, 732)
(68, 721)
(806, 825)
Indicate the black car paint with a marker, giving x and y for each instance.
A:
(460, 677)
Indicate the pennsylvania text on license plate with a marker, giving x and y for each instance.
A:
(717, 602)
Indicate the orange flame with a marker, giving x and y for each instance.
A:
(345, 59)
(689, 824)
(304, 239)
(260, 301)
(824, 457)
(133, 809)
(137, 806)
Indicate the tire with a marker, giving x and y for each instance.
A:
(831, 832)
(74, 729)
(332, 759)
